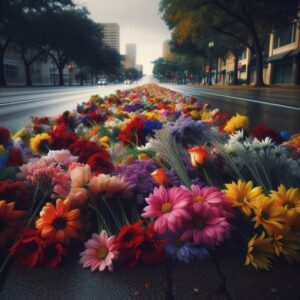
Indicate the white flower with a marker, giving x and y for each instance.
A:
(236, 137)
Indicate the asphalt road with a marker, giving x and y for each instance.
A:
(280, 109)
(277, 108)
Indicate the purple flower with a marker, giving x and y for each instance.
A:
(184, 251)
(187, 130)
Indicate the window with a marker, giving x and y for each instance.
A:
(243, 55)
(285, 36)
(11, 72)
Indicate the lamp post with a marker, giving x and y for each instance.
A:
(210, 46)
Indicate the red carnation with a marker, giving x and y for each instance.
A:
(4, 136)
(53, 253)
(14, 158)
(28, 249)
(99, 164)
(262, 131)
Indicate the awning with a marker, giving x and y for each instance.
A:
(295, 52)
(279, 57)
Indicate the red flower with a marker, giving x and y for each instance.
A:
(4, 136)
(262, 131)
(85, 149)
(14, 191)
(130, 236)
(133, 132)
(32, 250)
(14, 158)
(52, 254)
(135, 243)
(151, 251)
(28, 249)
(99, 164)
(61, 139)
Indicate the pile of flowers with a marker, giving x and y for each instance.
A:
(146, 175)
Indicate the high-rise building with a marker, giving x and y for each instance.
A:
(111, 35)
(166, 49)
(131, 54)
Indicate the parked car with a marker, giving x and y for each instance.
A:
(102, 81)
(128, 81)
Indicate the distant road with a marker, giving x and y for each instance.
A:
(277, 108)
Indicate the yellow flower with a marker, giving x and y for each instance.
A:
(270, 215)
(150, 115)
(1, 147)
(291, 248)
(40, 143)
(236, 122)
(23, 133)
(260, 252)
(104, 142)
(243, 195)
(196, 115)
(288, 199)
(206, 116)
(277, 244)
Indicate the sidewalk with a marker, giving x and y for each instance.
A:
(221, 277)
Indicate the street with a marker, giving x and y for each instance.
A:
(279, 109)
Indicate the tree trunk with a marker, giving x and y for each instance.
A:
(28, 74)
(235, 71)
(2, 69)
(259, 80)
(61, 75)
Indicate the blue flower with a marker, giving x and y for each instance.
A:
(285, 135)
(150, 126)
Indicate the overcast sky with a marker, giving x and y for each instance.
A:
(139, 22)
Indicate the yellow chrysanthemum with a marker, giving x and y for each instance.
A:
(23, 133)
(270, 215)
(288, 199)
(260, 252)
(237, 122)
(40, 143)
(243, 195)
(104, 142)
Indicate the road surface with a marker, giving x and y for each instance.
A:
(280, 109)
(277, 108)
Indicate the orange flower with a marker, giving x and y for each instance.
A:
(58, 222)
(198, 155)
(10, 220)
(159, 177)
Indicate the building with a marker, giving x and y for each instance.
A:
(166, 49)
(281, 60)
(131, 55)
(111, 35)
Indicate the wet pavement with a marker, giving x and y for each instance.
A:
(277, 108)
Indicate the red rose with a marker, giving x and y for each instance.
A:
(99, 164)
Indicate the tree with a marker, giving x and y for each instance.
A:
(248, 22)
(12, 14)
(67, 34)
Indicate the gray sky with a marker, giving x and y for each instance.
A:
(139, 22)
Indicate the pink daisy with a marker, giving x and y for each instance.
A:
(213, 196)
(170, 207)
(207, 227)
(100, 252)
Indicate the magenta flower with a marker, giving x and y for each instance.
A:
(100, 252)
(213, 196)
(170, 207)
(207, 227)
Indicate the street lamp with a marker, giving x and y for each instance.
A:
(210, 46)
